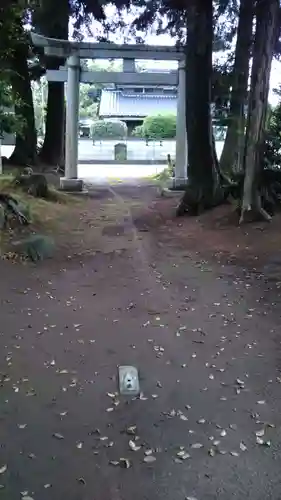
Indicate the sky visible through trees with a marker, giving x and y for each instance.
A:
(165, 39)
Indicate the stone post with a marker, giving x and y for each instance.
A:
(181, 135)
(70, 182)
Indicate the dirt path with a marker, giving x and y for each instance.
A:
(205, 338)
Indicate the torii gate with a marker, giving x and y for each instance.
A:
(72, 74)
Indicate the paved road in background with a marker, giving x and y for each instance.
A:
(87, 151)
(99, 172)
(136, 150)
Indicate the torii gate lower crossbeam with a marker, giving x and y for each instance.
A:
(73, 52)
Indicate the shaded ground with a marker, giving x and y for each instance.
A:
(200, 321)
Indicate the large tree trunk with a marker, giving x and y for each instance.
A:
(203, 190)
(25, 152)
(232, 154)
(52, 152)
(267, 30)
(51, 20)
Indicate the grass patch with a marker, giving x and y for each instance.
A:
(46, 216)
(163, 176)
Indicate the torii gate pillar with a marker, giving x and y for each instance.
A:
(71, 182)
(181, 134)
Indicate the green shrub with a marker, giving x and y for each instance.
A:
(138, 131)
(272, 153)
(158, 127)
(108, 129)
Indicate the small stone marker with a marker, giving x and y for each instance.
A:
(129, 381)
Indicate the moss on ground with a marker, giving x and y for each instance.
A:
(46, 215)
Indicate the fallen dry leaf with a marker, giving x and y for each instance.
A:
(131, 430)
(260, 433)
(148, 452)
(196, 446)
(183, 455)
(183, 417)
(125, 463)
(111, 395)
(149, 459)
(242, 446)
(81, 480)
(133, 446)
(240, 382)
(57, 435)
(142, 397)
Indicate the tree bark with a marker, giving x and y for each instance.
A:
(232, 154)
(25, 152)
(203, 190)
(52, 152)
(267, 30)
(51, 19)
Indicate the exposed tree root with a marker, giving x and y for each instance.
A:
(266, 200)
(197, 200)
(252, 215)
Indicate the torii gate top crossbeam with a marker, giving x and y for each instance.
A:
(106, 50)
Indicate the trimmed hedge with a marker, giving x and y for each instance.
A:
(157, 127)
(108, 129)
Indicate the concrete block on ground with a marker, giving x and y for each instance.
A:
(71, 185)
